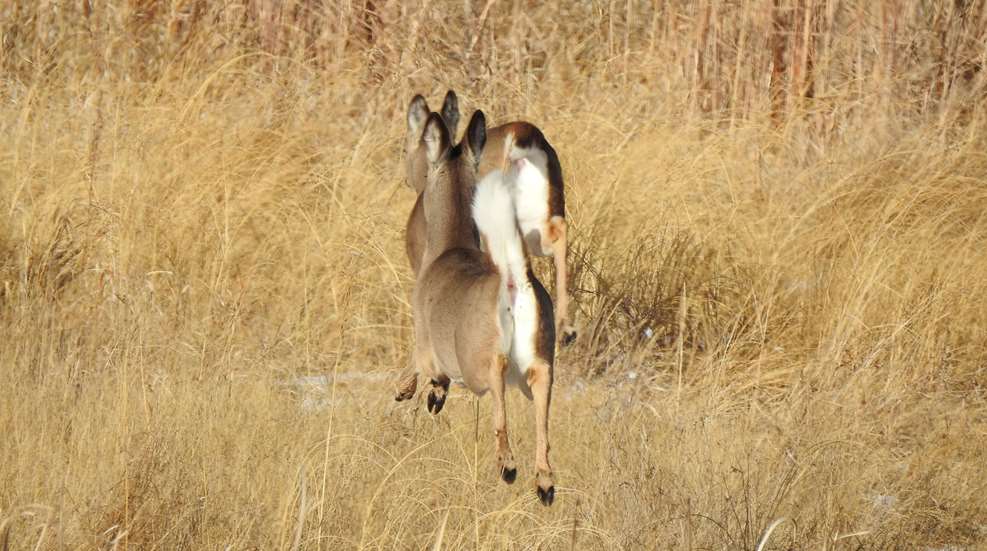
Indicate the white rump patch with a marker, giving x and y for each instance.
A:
(495, 217)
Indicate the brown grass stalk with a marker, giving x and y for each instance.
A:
(777, 256)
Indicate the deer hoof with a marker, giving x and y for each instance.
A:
(546, 496)
(435, 403)
(545, 487)
(506, 466)
(567, 335)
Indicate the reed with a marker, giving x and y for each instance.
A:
(777, 258)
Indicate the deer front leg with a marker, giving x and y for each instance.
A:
(559, 244)
(423, 364)
(440, 382)
(505, 459)
(437, 396)
(540, 381)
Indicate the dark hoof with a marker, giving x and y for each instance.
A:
(402, 396)
(546, 496)
(568, 336)
(509, 475)
(435, 403)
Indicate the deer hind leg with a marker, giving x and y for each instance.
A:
(505, 458)
(540, 380)
(558, 244)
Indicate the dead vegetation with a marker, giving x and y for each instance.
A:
(778, 248)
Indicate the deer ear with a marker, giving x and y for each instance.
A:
(450, 113)
(476, 134)
(436, 138)
(417, 114)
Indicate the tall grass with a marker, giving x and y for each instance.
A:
(778, 240)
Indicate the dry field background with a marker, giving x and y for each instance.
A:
(779, 236)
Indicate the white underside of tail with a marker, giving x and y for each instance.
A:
(528, 179)
(495, 214)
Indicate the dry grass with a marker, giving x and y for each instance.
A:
(779, 240)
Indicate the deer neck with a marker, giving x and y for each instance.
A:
(447, 216)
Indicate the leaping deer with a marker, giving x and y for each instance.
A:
(539, 193)
(480, 315)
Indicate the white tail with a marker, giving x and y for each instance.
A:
(496, 219)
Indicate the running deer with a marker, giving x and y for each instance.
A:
(481, 317)
(539, 193)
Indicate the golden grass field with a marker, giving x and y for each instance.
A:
(778, 224)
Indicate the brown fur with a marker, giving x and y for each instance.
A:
(414, 236)
(457, 285)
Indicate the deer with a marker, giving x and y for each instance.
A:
(481, 317)
(539, 193)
